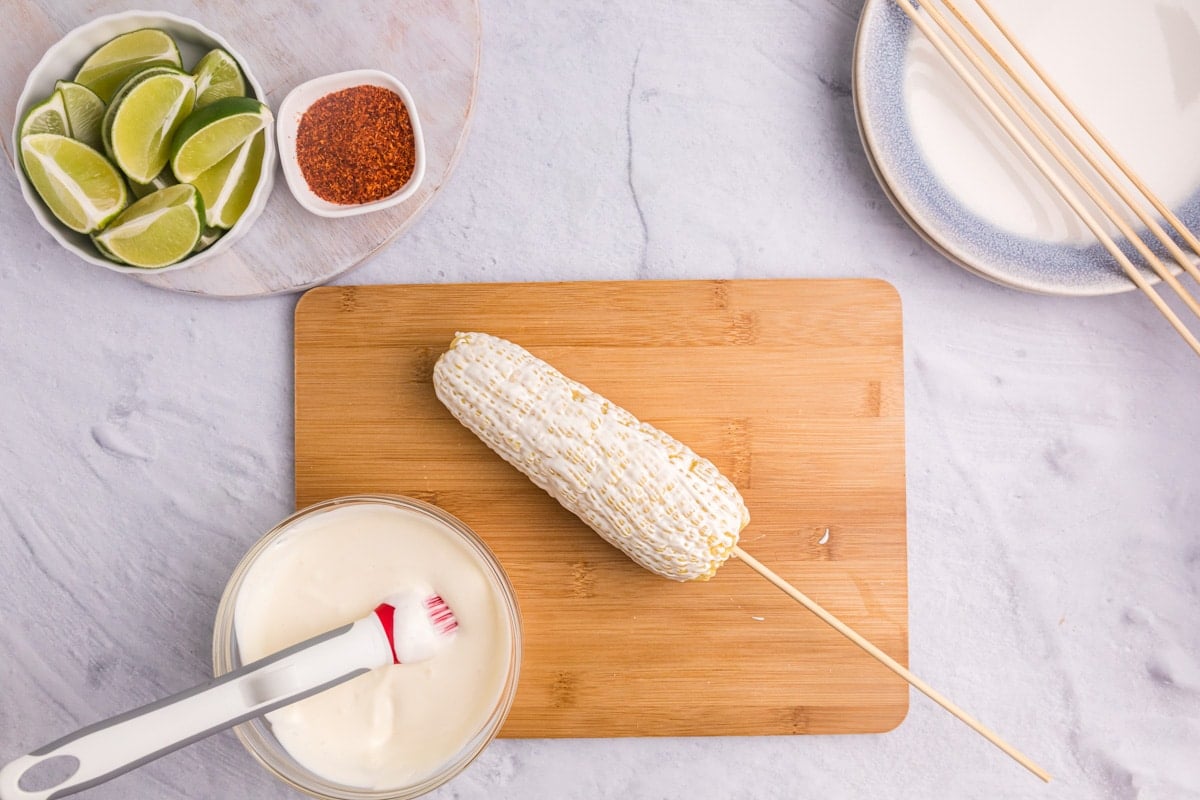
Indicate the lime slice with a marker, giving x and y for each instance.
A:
(228, 185)
(214, 132)
(208, 238)
(107, 68)
(142, 119)
(78, 184)
(156, 231)
(110, 113)
(160, 181)
(85, 112)
(48, 116)
(217, 76)
(134, 79)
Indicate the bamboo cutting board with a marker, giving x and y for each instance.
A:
(794, 388)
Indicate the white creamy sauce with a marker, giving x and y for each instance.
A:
(1131, 66)
(395, 725)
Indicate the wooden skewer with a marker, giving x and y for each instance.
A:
(1063, 159)
(889, 662)
(1055, 180)
(1159, 206)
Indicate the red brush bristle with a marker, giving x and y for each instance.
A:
(440, 614)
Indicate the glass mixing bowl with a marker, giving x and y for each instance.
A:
(256, 734)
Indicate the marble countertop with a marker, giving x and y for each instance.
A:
(1054, 553)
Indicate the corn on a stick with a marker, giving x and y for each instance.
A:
(651, 496)
(647, 494)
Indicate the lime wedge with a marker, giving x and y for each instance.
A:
(228, 185)
(143, 117)
(208, 239)
(217, 76)
(85, 112)
(127, 87)
(78, 184)
(160, 181)
(107, 68)
(156, 231)
(48, 116)
(214, 132)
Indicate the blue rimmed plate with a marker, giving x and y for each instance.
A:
(963, 230)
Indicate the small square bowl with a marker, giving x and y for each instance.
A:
(293, 108)
(63, 59)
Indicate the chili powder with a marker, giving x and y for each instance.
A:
(356, 145)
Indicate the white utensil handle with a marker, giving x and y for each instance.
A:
(115, 746)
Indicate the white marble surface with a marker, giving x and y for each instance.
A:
(1053, 542)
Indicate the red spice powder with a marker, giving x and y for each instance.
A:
(356, 146)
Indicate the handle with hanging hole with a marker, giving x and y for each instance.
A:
(114, 746)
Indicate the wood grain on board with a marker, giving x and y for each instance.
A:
(794, 388)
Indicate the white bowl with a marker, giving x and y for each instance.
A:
(63, 60)
(298, 101)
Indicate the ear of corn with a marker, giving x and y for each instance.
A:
(649, 495)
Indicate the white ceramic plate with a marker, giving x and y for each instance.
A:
(960, 229)
(292, 109)
(62, 61)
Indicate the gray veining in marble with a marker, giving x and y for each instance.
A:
(1054, 555)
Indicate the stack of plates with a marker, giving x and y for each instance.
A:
(954, 176)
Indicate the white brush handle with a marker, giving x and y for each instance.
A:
(115, 746)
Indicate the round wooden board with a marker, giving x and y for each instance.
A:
(430, 45)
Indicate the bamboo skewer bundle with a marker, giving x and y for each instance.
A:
(954, 48)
